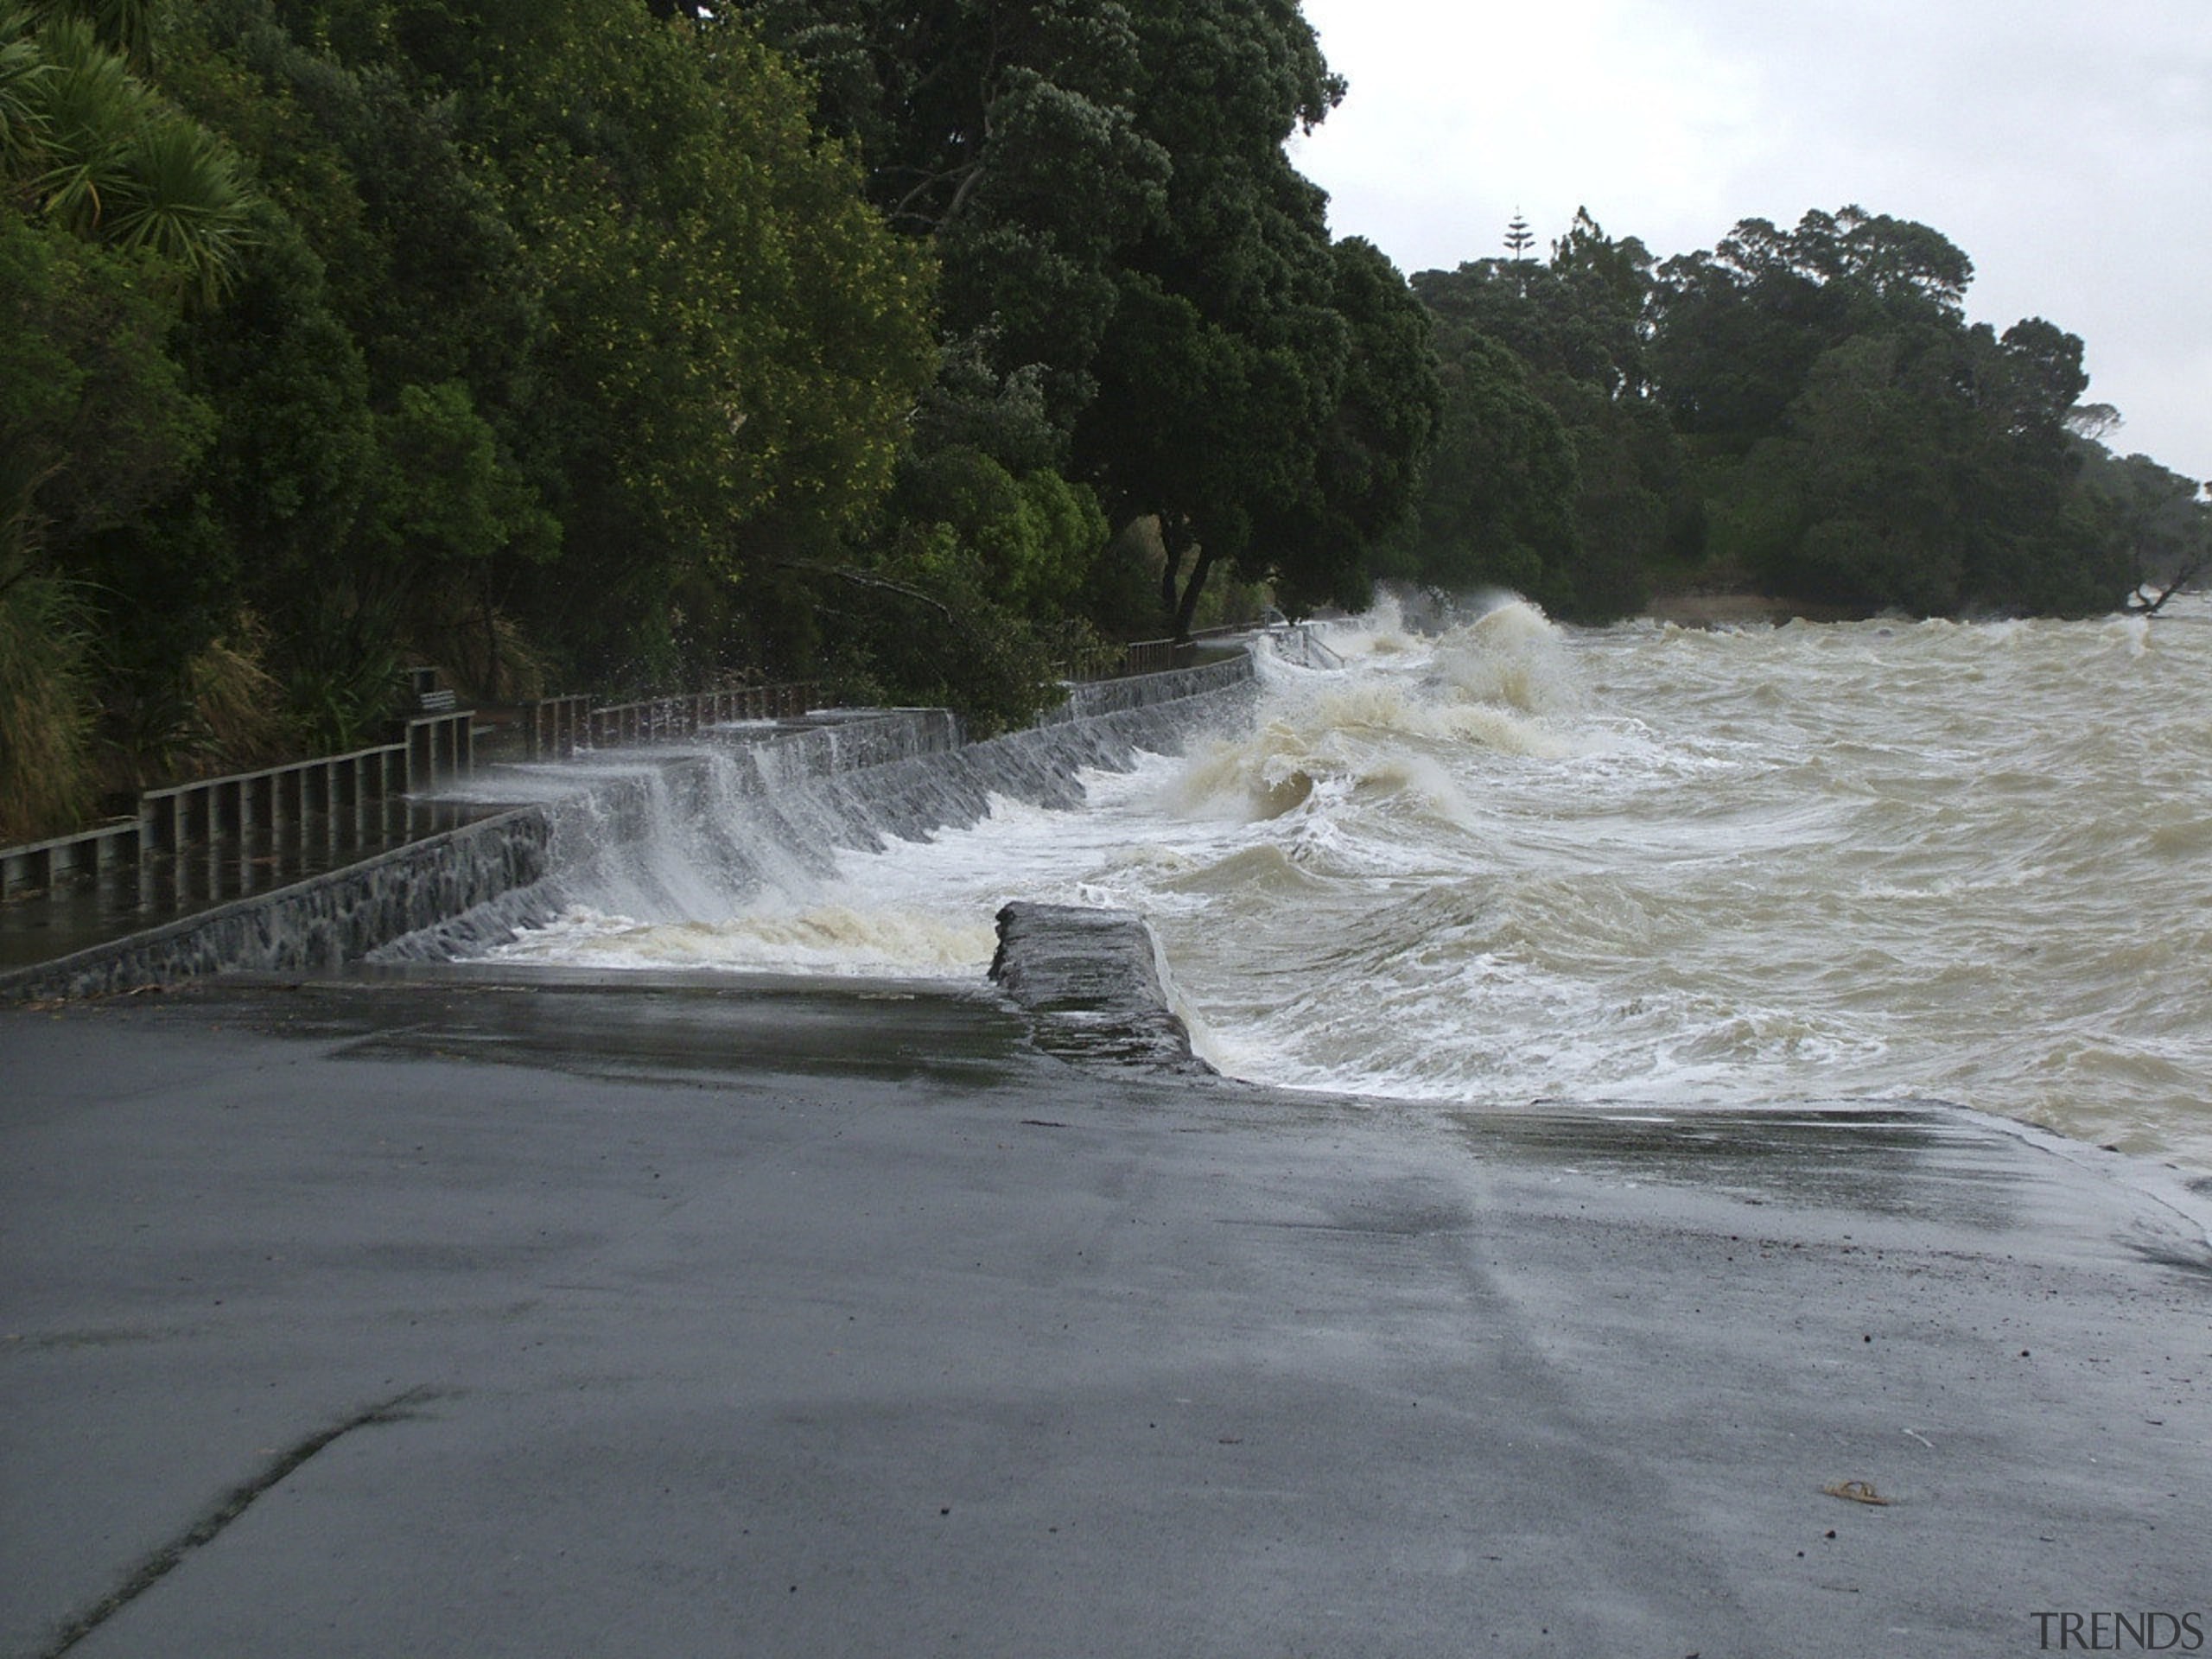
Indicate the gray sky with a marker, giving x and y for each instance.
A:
(2066, 145)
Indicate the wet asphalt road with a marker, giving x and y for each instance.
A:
(440, 1318)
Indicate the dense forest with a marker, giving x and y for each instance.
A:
(921, 347)
(1805, 413)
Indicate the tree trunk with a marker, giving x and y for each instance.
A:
(2188, 573)
(1174, 542)
(1189, 606)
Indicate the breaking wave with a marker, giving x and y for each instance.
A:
(1503, 860)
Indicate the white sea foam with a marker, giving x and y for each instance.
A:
(1641, 863)
(823, 940)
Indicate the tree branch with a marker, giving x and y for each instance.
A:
(967, 173)
(858, 578)
(2138, 605)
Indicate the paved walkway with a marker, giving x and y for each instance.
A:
(434, 1318)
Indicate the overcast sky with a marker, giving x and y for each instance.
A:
(2066, 145)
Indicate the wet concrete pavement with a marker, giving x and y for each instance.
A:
(444, 1317)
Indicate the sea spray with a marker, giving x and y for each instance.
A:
(730, 856)
(1510, 861)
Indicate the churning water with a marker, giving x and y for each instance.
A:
(1514, 861)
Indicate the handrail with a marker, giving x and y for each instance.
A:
(1158, 656)
(558, 726)
(277, 802)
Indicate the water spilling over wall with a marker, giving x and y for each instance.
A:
(691, 836)
(1509, 862)
(666, 828)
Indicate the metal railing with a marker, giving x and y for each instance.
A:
(655, 720)
(86, 855)
(277, 812)
(278, 815)
(1158, 656)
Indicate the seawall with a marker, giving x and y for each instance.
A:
(1094, 985)
(726, 815)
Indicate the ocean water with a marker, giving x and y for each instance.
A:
(1512, 861)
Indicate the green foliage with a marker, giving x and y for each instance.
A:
(1806, 409)
(1870, 448)
(556, 312)
(1321, 545)
(1560, 481)
(1124, 238)
(47, 776)
(1033, 537)
(231, 713)
(96, 420)
(925, 621)
(22, 67)
(444, 495)
(1226, 359)
(2154, 519)
(125, 28)
(182, 197)
(1496, 510)
(342, 680)
(101, 152)
(1738, 328)
(732, 341)
(113, 209)
(1009, 137)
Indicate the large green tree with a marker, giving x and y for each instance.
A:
(120, 213)
(120, 218)
(2158, 523)
(730, 338)
(1265, 397)
(1007, 133)
(1107, 190)
(1496, 509)
(1740, 326)
(1581, 534)
(632, 343)
(1862, 443)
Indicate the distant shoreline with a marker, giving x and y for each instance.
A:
(1728, 610)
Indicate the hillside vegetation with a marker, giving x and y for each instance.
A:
(919, 349)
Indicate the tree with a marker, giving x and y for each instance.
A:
(1578, 328)
(1106, 189)
(1863, 444)
(99, 152)
(125, 28)
(119, 213)
(1244, 355)
(96, 421)
(1519, 239)
(1496, 509)
(1006, 135)
(1373, 444)
(2157, 521)
(603, 266)
(119, 218)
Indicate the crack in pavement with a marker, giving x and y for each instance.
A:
(219, 1515)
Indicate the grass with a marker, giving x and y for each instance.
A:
(48, 782)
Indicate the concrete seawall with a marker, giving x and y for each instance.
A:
(316, 924)
(1095, 986)
(801, 789)
(701, 831)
